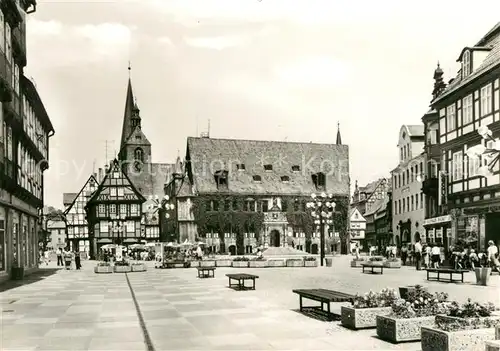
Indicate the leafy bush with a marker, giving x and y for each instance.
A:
(309, 258)
(257, 259)
(376, 258)
(241, 258)
(122, 263)
(470, 309)
(421, 303)
(385, 298)
(137, 264)
(104, 264)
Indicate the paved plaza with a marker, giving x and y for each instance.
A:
(174, 310)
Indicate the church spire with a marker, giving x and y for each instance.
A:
(339, 138)
(439, 83)
(131, 117)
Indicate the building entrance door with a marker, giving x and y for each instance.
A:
(275, 238)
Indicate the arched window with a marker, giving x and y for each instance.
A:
(139, 154)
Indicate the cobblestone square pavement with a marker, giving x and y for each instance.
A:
(81, 310)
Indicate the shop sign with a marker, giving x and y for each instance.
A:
(437, 220)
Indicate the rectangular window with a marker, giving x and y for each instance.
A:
(442, 126)
(123, 209)
(112, 208)
(404, 205)
(104, 227)
(2, 32)
(466, 64)
(130, 226)
(2, 242)
(412, 203)
(416, 201)
(450, 118)
(486, 101)
(457, 166)
(9, 144)
(15, 78)
(120, 192)
(473, 166)
(8, 43)
(134, 210)
(101, 210)
(421, 200)
(113, 191)
(467, 109)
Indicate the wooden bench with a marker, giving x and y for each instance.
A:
(241, 277)
(206, 272)
(446, 271)
(324, 296)
(372, 266)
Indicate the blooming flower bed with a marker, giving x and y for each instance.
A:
(366, 308)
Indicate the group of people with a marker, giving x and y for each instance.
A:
(65, 258)
(432, 255)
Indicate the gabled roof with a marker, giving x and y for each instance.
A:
(84, 187)
(415, 130)
(205, 156)
(358, 212)
(492, 60)
(68, 198)
(376, 206)
(152, 178)
(106, 183)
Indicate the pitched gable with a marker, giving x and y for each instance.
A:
(80, 200)
(116, 186)
(138, 138)
(356, 216)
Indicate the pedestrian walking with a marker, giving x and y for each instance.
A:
(436, 256)
(78, 263)
(67, 259)
(418, 255)
(59, 254)
(493, 256)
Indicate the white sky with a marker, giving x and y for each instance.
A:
(270, 69)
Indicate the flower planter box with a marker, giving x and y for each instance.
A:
(397, 330)
(103, 269)
(449, 319)
(470, 340)
(294, 263)
(223, 263)
(311, 263)
(493, 345)
(139, 268)
(122, 269)
(195, 263)
(392, 264)
(257, 264)
(357, 264)
(360, 318)
(276, 263)
(210, 263)
(482, 276)
(404, 290)
(240, 264)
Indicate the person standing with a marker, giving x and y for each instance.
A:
(427, 259)
(78, 263)
(59, 254)
(493, 256)
(418, 254)
(436, 256)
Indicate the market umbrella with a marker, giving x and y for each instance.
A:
(150, 245)
(187, 243)
(108, 246)
(137, 246)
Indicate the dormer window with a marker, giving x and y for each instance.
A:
(257, 178)
(221, 179)
(319, 180)
(296, 168)
(240, 167)
(285, 179)
(268, 168)
(466, 64)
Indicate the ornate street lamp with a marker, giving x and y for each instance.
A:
(490, 154)
(322, 208)
(116, 227)
(159, 206)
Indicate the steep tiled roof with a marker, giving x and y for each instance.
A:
(370, 187)
(152, 178)
(492, 60)
(376, 206)
(90, 180)
(415, 130)
(205, 156)
(68, 198)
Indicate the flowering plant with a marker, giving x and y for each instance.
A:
(421, 303)
(385, 298)
(309, 258)
(471, 309)
(241, 258)
(467, 324)
(376, 258)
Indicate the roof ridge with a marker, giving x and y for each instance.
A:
(266, 141)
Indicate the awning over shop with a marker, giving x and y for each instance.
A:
(104, 241)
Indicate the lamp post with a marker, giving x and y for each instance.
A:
(491, 153)
(161, 205)
(116, 227)
(322, 208)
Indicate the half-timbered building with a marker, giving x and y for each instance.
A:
(76, 218)
(114, 211)
(471, 100)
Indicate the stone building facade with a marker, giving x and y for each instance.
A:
(407, 196)
(251, 190)
(25, 129)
